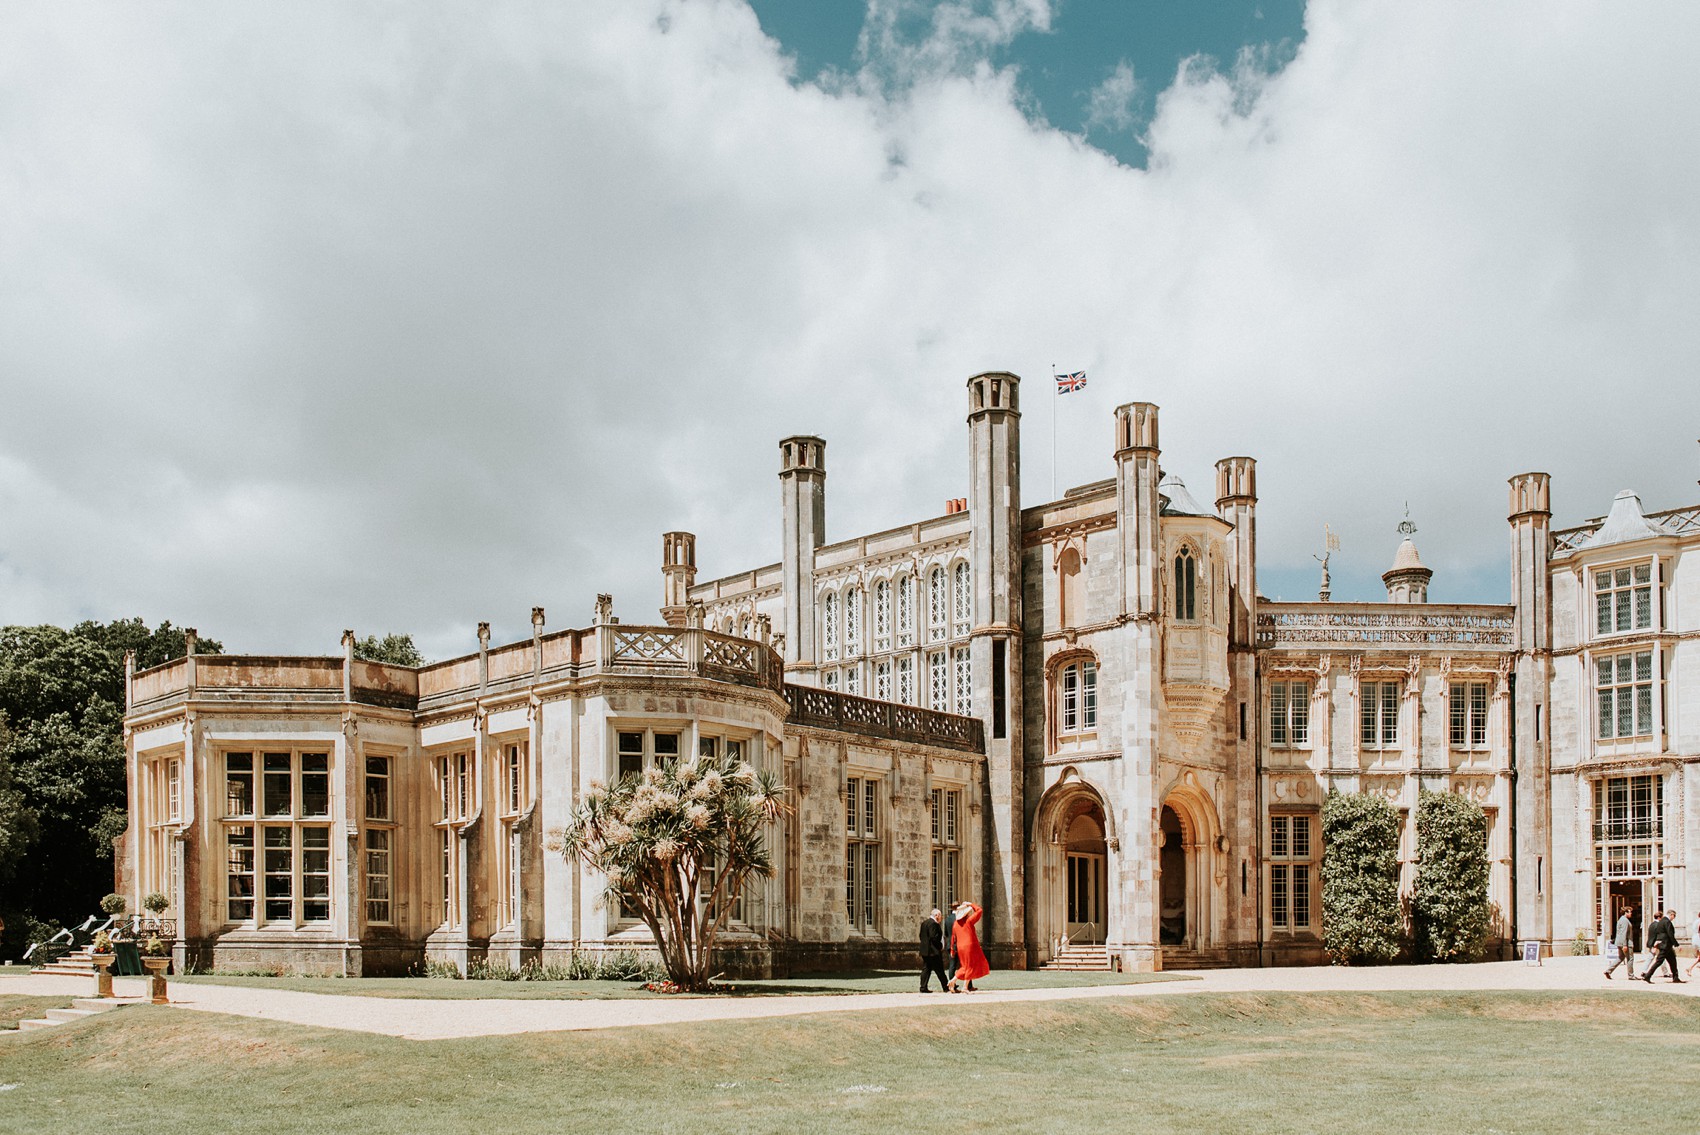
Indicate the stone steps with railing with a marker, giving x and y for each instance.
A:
(1080, 958)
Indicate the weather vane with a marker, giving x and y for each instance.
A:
(1406, 528)
(1330, 545)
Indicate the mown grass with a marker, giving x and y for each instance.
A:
(879, 981)
(1390, 1062)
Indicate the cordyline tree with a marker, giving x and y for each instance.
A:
(677, 844)
(1361, 921)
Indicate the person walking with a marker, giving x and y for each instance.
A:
(1696, 941)
(932, 951)
(950, 944)
(970, 958)
(1620, 939)
(1661, 946)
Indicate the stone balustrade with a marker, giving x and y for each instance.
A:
(828, 709)
(1361, 626)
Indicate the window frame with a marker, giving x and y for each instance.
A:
(290, 848)
(1378, 715)
(1291, 872)
(863, 826)
(1186, 584)
(1469, 704)
(1631, 693)
(1289, 713)
(1623, 599)
(947, 844)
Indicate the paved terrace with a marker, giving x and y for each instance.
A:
(436, 1020)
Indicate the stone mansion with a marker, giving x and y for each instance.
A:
(1078, 712)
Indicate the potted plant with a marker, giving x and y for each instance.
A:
(155, 903)
(155, 960)
(114, 904)
(101, 955)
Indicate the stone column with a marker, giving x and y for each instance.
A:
(802, 484)
(1530, 518)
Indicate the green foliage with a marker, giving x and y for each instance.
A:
(442, 969)
(396, 649)
(153, 948)
(102, 942)
(154, 902)
(62, 762)
(677, 845)
(1449, 908)
(1360, 879)
(114, 903)
(1582, 943)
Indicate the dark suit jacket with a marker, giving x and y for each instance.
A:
(949, 930)
(932, 939)
(1662, 936)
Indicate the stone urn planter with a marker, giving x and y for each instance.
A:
(102, 973)
(156, 978)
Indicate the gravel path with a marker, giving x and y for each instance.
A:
(435, 1020)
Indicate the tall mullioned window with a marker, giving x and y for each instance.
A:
(882, 615)
(379, 840)
(1289, 714)
(947, 846)
(1468, 727)
(861, 851)
(1623, 599)
(829, 626)
(1186, 585)
(906, 610)
(853, 621)
(1292, 866)
(938, 605)
(882, 679)
(278, 861)
(1623, 684)
(1378, 715)
(960, 662)
(906, 679)
(1629, 826)
(961, 599)
(938, 681)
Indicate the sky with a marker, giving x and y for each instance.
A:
(403, 317)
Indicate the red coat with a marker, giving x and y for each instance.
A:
(970, 959)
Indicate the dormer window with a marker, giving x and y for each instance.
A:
(1186, 585)
(1623, 599)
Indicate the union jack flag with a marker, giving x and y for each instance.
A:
(1069, 383)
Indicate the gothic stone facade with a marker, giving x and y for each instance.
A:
(1079, 713)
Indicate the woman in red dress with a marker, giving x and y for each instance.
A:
(970, 959)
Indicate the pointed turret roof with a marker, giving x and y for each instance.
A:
(1179, 502)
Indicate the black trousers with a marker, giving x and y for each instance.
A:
(930, 966)
(1666, 956)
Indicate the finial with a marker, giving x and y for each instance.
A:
(1406, 528)
(1330, 545)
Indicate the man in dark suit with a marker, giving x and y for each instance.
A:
(1661, 943)
(950, 944)
(932, 952)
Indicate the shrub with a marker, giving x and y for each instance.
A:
(1360, 879)
(155, 903)
(1449, 908)
(153, 948)
(102, 942)
(442, 969)
(114, 904)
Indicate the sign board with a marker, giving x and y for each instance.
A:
(1531, 953)
(1611, 953)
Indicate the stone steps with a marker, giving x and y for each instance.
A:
(80, 1008)
(1080, 959)
(1177, 958)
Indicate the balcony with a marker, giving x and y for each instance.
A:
(889, 721)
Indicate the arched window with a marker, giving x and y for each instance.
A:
(1077, 696)
(938, 605)
(852, 621)
(1069, 589)
(1186, 585)
(882, 615)
(906, 610)
(962, 599)
(829, 626)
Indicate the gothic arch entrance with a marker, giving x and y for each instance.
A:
(1187, 862)
(1075, 846)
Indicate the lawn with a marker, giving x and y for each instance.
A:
(1407, 1063)
(880, 981)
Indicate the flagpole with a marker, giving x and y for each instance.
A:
(1056, 396)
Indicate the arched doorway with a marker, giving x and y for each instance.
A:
(1172, 922)
(1069, 900)
(1085, 854)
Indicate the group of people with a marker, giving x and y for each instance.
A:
(1661, 944)
(951, 949)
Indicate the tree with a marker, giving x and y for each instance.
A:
(1360, 879)
(1449, 908)
(396, 649)
(677, 844)
(62, 762)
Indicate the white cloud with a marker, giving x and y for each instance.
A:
(1109, 105)
(403, 318)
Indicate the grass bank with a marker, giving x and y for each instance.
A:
(1403, 1062)
(879, 981)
